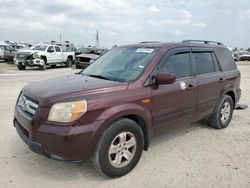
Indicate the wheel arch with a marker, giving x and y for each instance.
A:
(138, 114)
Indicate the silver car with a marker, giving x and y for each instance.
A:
(7, 53)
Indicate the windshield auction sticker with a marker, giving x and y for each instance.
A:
(145, 50)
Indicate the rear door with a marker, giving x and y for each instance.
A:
(210, 81)
(59, 54)
(175, 104)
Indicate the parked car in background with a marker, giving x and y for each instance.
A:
(245, 56)
(109, 111)
(84, 60)
(88, 56)
(7, 53)
(43, 55)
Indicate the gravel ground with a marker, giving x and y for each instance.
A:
(191, 156)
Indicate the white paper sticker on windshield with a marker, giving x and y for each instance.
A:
(145, 50)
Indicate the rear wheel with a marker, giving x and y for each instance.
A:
(21, 67)
(119, 148)
(222, 116)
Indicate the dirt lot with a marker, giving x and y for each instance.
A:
(192, 156)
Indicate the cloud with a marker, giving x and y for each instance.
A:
(125, 21)
(153, 8)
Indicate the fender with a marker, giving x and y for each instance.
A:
(116, 112)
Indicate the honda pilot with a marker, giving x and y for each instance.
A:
(109, 111)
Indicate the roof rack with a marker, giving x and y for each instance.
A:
(150, 42)
(202, 41)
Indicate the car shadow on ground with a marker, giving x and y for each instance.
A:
(36, 165)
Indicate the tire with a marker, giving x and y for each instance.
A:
(43, 67)
(21, 67)
(69, 62)
(130, 146)
(221, 118)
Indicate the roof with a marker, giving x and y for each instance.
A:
(186, 43)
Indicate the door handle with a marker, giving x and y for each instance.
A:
(221, 79)
(190, 86)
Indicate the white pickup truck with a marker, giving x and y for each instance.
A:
(43, 55)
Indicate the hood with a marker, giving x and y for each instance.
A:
(90, 56)
(68, 87)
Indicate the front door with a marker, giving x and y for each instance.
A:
(51, 57)
(175, 104)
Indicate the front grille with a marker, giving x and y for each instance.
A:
(27, 106)
(23, 56)
(84, 59)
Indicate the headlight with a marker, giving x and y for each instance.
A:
(68, 111)
(36, 55)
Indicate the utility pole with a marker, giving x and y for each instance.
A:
(97, 39)
(60, 38)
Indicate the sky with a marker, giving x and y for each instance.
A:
(126, 21)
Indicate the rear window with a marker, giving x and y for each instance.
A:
(58, 49)
(226, 59)
(203, 62)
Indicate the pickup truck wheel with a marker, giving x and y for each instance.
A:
(43, 67)
(21, 67)
(222, 116)
(119, 149)
(69, 62)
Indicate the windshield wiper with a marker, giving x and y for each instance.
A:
(98, 76)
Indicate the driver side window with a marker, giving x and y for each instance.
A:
(50, 49)
(179, 64)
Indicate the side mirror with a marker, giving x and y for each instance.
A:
(166, 78)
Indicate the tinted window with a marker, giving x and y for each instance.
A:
(203, 62)
(226, 59)
(58, 49)
(179, 64)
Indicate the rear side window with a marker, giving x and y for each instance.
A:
(58, 49)
(226, 59)
(203, 62)
(179, 64)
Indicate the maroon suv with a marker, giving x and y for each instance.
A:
(109, 111)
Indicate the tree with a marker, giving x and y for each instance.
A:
(248, 49)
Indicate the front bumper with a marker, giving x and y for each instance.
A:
(82, 64)
(33, 62)
(33, 146)
(70, 143)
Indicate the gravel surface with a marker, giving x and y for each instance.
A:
(191, 156)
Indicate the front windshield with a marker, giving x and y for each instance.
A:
(39, 47)
(121, 64)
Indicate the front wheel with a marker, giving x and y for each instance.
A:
(21, 67)
(222, 116)
(69, 62)
(119, 149)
